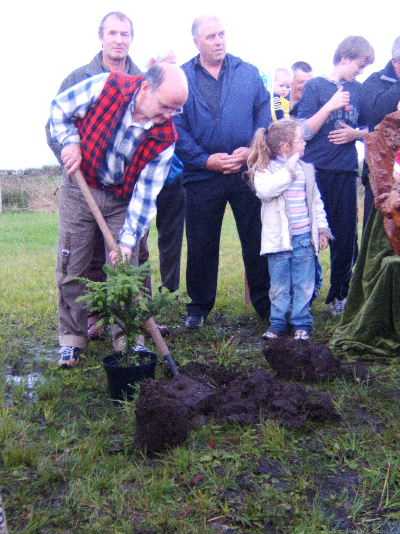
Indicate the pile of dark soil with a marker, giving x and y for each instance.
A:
(167, 410)
(308, 362)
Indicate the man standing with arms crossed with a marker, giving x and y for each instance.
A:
(227, 103)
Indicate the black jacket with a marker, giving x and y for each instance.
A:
(380, 96)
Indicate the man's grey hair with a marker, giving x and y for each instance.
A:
(155, 76)
(121, 16)
(198, 21)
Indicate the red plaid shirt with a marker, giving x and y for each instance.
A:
(97, 131)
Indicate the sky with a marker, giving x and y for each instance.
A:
(42, 41)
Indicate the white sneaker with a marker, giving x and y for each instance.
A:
(301, 334)
(337, 306)
(269, 334)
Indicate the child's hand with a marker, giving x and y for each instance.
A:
(323, 241)
(292, 162)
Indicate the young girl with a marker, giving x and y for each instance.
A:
(294, 224)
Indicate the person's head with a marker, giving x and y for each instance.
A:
(396, 56)
(209, 37)
(351, 56)
(282, 82)
(283, 138)
(115, 34)
(162, 93)
(302, 73)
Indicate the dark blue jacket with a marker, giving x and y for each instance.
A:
(244, 107)
(380, 95)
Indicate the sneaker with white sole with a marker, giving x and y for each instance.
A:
(301, 335)
(69, 357)
(337, 306)
(270, 334)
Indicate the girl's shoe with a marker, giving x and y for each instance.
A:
(301, 335)
(270, 334)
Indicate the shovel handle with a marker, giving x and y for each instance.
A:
(150, 325)
(108, 237)
(152, 328)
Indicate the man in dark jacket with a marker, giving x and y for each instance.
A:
(227, 103)
(380, 96)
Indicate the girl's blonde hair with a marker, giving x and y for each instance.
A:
(267, 144)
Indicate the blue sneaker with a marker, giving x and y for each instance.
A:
(69, 357)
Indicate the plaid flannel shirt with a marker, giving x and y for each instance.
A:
(73, 104)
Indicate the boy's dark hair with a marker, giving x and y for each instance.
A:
(301, 65)
(354, 47)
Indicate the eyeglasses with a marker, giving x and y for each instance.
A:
(171, 111)
(168, 110)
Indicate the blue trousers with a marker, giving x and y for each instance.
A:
(292, 277)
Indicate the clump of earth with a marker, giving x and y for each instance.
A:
(167, 410)
(306, 361)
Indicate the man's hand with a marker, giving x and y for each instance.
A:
(217, 162)
(344, 135)
(338, 100)
(236, 160)
(123, 254)
(71, 157)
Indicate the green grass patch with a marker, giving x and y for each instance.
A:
(67, 458)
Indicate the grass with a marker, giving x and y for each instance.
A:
(67, 459)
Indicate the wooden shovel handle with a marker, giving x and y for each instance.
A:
(150, 325)
(108, 237)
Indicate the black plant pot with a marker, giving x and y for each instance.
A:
(121, 378)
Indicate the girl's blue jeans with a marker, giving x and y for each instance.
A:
(292, 285)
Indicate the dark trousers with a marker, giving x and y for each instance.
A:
(170, 222)
(204, 210)
(339, 194)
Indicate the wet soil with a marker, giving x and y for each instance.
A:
(167, 410)
(308, 362)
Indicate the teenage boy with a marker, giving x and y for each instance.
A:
(331, 108)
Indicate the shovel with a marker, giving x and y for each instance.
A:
(150, 325)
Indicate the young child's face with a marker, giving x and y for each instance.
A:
(282, 84)
(298, 145)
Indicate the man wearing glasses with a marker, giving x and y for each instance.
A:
(227, 103)
(118, 130)
(380, 96)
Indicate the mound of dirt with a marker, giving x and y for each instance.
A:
(167, 410)
(308, 362)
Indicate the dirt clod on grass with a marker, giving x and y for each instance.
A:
(167, 409)
(308, 362)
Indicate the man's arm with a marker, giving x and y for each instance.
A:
(188, 150)
(262, 106)
(72, 79)
(142, 206)
(317, 116)
(71, 105)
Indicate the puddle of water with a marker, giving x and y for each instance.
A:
(27, 372)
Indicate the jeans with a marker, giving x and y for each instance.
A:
(292, 276)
